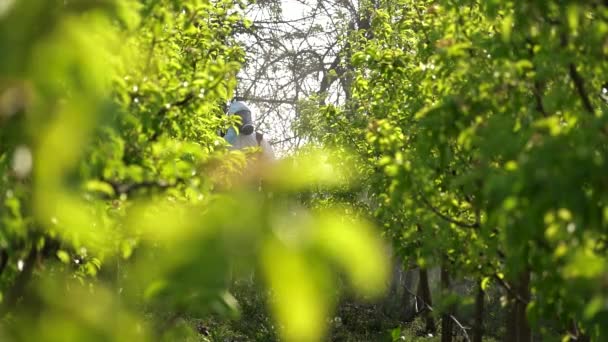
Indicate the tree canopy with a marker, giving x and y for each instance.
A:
(469, 135)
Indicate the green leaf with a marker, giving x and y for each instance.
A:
(506, 27)
(356, 248)
(63, 256)
(99, 186)
(301, 303)
(485, 283)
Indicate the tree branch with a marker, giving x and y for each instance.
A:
(128, 188)
(180, 103)
(445, 217)
(3, 260)
(430, 308)
(509, 289)
(263, 100)
(579, 84)
(161, 112)
(577, 79)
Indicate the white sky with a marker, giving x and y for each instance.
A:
(275, 121)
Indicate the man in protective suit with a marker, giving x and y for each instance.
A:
(246, 136)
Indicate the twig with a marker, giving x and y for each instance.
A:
(161, 112)
(430, 308)
(509, 289)
(445, 217)
(579, 83)
(282, 141)
(3, 260)
(282, 21)
(127, 188)
(537, 92)
(263, 100)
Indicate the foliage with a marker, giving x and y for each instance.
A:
(483, 130)
(120, 198)
(473, 132)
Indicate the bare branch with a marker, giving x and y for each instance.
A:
(265, 100)
(430, 308)
(509, 289)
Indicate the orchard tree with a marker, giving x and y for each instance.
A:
(119, 198)
(296, 53)
(483, 127)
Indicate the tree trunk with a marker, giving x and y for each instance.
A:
(392, 304)
(20, 284)
(518, 329)
(447, 325)
(410, 305)
(424, 292)
(578, 335)
(478, 316)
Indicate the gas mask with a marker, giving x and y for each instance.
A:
(239, 108)
(246, 126)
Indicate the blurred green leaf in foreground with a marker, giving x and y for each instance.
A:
(118, 198)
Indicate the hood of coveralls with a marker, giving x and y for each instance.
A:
(240, 108)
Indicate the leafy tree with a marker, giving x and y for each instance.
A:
(120, 198)
(483, 128)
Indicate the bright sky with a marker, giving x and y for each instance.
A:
(276, 80)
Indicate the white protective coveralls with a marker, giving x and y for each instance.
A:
(241, 140)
